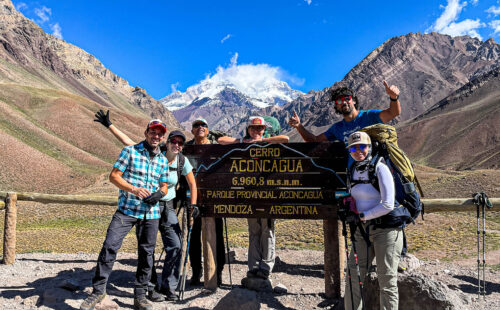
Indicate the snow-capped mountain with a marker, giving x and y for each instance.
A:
(261, 83)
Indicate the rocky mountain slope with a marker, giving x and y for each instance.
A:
(461, 131)
(426, 68)
(49, 91)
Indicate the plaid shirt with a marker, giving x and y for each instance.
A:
(140, 171)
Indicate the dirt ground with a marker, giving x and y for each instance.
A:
(35, 281)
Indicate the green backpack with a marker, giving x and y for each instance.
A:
(275, 128)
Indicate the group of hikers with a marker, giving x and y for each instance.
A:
(147, 175)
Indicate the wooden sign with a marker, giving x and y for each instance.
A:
(296, 180)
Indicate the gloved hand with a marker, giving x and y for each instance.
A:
(102, 118)
(194, 211)
(154, 197)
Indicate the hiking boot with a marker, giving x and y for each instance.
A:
(169, 295)
(252, 273)
(155, 296)
(90, 302)
(141, 303)
(263, 274)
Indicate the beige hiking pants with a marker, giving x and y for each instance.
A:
(261, 247)
(386, 247)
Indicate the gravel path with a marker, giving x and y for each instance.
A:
(35, 281)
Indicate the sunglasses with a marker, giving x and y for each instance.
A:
(340, 100)
(361, 147)
(175, 141)
(200, 125)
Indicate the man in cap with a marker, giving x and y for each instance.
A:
(141, 175)
(202, 135)
(347, 104)
(261, 237)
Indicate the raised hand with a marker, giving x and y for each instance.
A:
(392, 91)
(102, 118)
(294, 120)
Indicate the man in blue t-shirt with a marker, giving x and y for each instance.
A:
(346, 103)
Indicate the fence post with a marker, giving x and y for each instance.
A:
(209, 253)
(9, 237)
(334, 257)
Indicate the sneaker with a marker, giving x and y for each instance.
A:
(90, 302)
(263, 274)
(155, 296)
(141, 303)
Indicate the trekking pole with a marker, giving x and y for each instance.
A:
(344, 233)
(476, 202)
(352, 228)
(184, 271)
(228, 259)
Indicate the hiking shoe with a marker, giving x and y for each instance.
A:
(141, 303)
(90, 302)
(263, 274)
(155, 296)
(170, 296)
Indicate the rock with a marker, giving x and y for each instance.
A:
(52, 296)
(30, 301)
(257, 284)
(409, 263)
(70, 285)
(430, 294)
(451, 228)
(280, 289)
(239, 299)
(107, 304)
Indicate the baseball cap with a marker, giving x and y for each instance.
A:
(176, 133)
(256, 121)
(358, 137)
(200, 120)
(157, 123)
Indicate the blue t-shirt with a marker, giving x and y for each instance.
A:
(342, 129)
(172, 177)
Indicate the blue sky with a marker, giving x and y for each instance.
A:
(174, 44)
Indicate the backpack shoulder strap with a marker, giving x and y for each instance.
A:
(181, 159)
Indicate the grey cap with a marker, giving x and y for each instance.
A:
(177, 133)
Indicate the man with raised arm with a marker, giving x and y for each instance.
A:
(346, 103)
(141, 175)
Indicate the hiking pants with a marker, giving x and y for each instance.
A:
(171, 236)
(119, 227)
(195, 246)
(386, 247)
(261, 244)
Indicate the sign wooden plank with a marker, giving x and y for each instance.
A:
(279, 210)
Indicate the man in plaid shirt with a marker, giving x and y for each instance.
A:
(141, 175)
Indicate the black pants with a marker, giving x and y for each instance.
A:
(171, 235)
(195, 246)
(119, 227)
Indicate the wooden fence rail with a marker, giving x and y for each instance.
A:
(431, 205)
(332, 288)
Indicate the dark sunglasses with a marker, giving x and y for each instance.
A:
(340, 100)
(361, 147)
(200, 125)
(175, 141)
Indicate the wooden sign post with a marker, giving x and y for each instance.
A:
(283, 181)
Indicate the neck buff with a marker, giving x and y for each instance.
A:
(149, 148)
(362, 165)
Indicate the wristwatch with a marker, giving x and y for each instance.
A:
(395, 99)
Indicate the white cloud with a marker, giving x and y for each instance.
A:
(495, 25)
(225, 38)
(43, 13)
(495, 10)
(21, 6)
(56, 30)
(251, 78)
(174, 86)
(308, 2)
(474, 2)
(446, 23)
